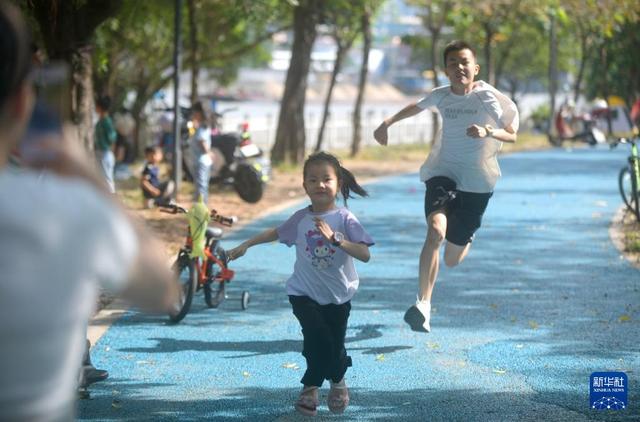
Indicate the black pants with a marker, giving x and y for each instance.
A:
(324, 328)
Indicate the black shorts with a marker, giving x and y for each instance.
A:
(464, 210)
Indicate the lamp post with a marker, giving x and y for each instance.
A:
(177, 153)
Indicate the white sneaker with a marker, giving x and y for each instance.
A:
(418, 316)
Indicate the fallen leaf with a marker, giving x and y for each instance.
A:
(291, 366)
(433, 345)
(499, 371)
(533, 325)
(519, 346)
(493, 306)
(380, 357)
(245, 374)
(624, 318)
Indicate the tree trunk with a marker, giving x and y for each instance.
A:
(553, 71)
(337, 65)
(488, 57)
(584, 56)
(82, 101)
(362, 82)
(195, 51)
(290, 135)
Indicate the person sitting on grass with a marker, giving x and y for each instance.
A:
(154, 191)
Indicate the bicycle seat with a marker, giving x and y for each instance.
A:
(214, 232)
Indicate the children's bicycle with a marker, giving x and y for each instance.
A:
(629, 177)
(208, 272)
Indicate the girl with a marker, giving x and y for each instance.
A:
(324, 278)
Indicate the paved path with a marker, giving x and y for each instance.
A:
(542, 301)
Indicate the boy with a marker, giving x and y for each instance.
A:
(153, 190)
(461, 169)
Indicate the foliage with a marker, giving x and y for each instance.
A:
(621, 76)
(540, 117)
(135, 49)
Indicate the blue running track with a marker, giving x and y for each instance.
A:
(543, 300)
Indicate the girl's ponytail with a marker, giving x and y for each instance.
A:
(349, 184)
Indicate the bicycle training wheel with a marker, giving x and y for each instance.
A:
(245, 298)
(185, 271)
(629, 191)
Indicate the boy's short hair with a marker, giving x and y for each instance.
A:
(104, 102)
(457, 45)
(151, 149)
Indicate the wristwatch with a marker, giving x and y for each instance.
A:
(337, 239)
(489, 130)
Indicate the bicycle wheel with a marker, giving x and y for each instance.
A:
(629, 191)
(186, 274)
(211, 297)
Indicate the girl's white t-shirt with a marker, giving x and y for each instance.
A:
(323, 272)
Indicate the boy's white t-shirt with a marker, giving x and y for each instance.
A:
(323, 272)
(470, 162)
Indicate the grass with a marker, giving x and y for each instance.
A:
(632, 238)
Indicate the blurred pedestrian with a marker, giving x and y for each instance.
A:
(200, 151)
(63, 236)
(461, 169)
(104, 141)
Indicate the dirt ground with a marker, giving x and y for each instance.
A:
(284, 188)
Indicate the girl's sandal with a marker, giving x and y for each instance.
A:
(307, 403)
(338, 398)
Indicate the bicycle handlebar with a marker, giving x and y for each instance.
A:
(172, 209)
(221, 219)
(218, 218)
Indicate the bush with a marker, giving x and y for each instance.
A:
(540, 118)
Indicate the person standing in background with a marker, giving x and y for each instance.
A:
(104, 141)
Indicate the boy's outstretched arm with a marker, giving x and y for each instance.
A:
(266, 236)
(381, 135)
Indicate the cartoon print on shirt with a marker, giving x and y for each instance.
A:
(319, 249)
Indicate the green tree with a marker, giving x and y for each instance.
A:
(343, 18)
(368, 11)
(135, 48)
(436, 14)
(66, 30)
